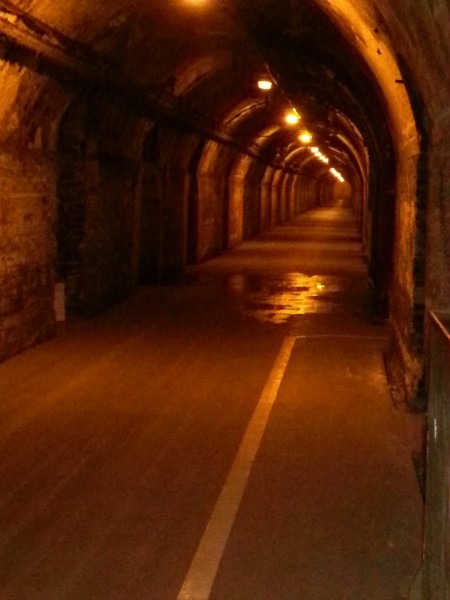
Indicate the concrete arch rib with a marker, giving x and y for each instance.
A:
(378, 51)
(191, 72)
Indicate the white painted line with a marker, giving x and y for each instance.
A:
(343, 336)
(202, 572)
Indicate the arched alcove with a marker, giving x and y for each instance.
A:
(98, 205)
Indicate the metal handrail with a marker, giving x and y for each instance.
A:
(436, 560)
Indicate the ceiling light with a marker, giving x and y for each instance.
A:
(337, 175)
(265, 85)
(305, 137)
(292, 118)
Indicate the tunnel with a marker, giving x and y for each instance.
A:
(144, 142)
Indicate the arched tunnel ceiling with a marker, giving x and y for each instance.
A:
(207, 56)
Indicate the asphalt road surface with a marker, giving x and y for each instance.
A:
(230, 438)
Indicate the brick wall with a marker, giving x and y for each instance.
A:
(96, 214)
(27, 250)
(97, 211)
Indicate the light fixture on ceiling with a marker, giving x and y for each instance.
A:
(265, 84)
(305, 137)
(338, 176)
(292, 117)
(318, 154)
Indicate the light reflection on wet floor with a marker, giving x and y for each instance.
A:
(313, 266)
(277, 298)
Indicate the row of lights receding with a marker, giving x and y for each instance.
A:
(305, 138)
(337, 175)
(292, 118)
(319, 155)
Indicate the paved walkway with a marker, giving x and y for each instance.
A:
(232, 438)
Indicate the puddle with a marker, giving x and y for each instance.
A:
(278, 298)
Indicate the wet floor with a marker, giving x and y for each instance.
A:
(118, 438)
(282, 298)
(313, 265)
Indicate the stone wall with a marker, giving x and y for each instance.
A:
(30, 106)
(265, 194)
(151, 259)
(98, 206)
(27, 250)
(277, 214)
(252, 200)
(404, 363)
(211, 197)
